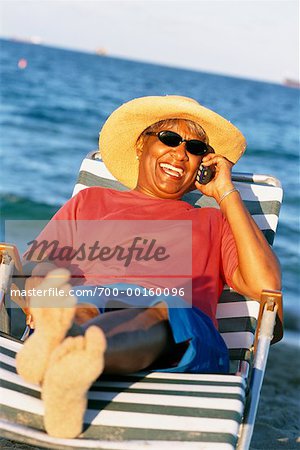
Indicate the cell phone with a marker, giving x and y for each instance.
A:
(205, 174)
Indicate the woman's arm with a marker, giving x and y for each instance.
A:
(258, 267)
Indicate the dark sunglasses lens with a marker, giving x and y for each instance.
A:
(169, 138)
(196, 147)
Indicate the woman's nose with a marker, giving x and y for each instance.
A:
(180, 152)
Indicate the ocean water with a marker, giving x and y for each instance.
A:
(51, 113)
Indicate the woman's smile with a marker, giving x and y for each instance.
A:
(171, 170)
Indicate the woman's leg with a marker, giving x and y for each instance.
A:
(135, 337)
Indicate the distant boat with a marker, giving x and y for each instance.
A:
(101, 51)
(37, 40)
(292, 83)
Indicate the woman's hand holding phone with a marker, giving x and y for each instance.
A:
(217, 176)
(205, 174)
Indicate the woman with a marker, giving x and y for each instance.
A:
(154, 146)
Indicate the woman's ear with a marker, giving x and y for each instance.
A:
(139, 150)
(138, 154)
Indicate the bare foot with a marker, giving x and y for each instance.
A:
(73, 367)
(51, 326)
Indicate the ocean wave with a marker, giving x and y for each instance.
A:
(18, 207)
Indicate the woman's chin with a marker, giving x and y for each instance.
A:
(171, 192)
(179, 190)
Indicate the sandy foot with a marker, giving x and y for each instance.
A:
(51, 326)
(73, 367)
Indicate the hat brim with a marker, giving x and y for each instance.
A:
(118, 137)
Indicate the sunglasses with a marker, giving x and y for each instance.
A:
(172, 139)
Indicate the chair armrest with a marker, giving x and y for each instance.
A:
(271, 300)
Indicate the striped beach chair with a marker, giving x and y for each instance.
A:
(166, 410)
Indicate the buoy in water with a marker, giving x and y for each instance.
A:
(22, 63)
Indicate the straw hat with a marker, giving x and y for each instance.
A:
(120, 132)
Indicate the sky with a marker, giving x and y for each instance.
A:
(257, 39)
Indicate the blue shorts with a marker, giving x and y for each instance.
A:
(206, 351)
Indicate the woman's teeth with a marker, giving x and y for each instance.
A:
(171, 170)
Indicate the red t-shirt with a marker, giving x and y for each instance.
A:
(214, 256)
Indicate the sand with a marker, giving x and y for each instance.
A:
(278, 420)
